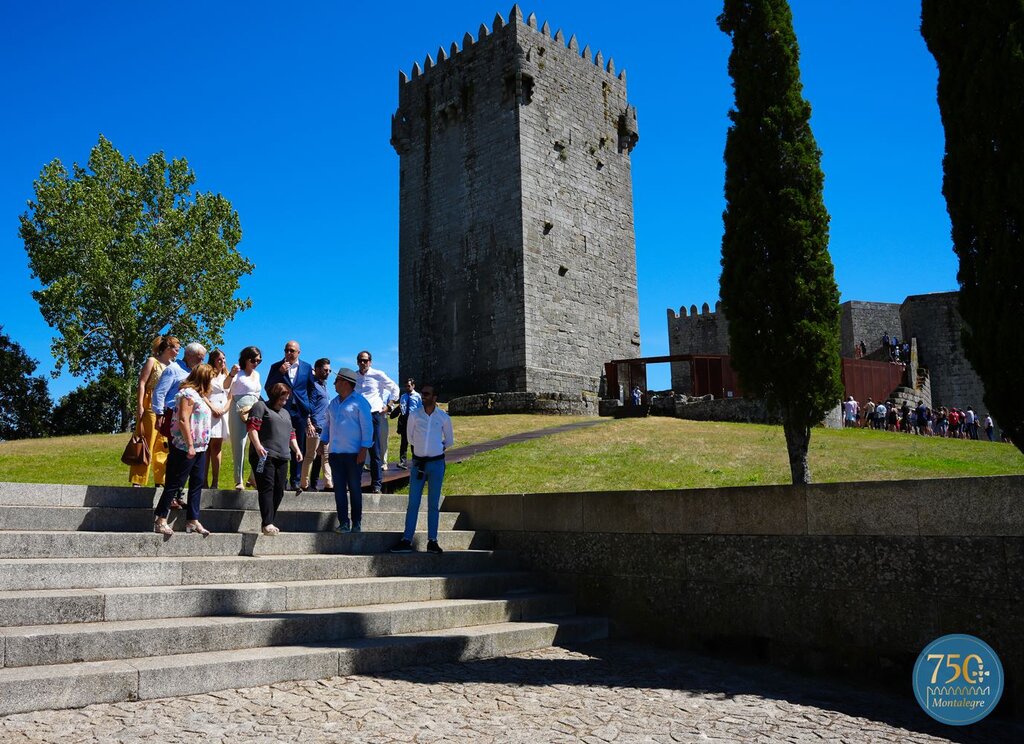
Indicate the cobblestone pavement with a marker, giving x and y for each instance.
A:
(605, 692)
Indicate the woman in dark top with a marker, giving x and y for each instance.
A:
(271, 435)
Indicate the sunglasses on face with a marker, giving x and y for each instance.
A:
(363, 361)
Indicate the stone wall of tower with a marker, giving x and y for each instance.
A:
(867, 322)
(461, 314)
(699, 332)
(936, 323)
(516, 245)
(576, 133)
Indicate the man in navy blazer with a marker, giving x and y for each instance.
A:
(297, 375)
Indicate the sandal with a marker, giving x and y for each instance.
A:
(197, 527)
(270, 530)
(160, 526)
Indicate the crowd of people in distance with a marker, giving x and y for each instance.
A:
(186, 408)
(953, 422)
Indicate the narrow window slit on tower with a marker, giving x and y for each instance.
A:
(548, 227)
(563, 270)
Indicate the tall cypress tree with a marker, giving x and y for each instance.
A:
(979, 48)
(778, 288)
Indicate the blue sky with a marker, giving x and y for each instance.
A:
(285, 109)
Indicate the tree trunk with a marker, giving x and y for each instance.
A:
(798, 440)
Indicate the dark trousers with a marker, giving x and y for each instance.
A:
(348, 477)
(403, 424)
(380, 444)
(180, 469)
(299, 423)
(269, 484)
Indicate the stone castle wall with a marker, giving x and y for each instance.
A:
(867, 322)
(932, 319)
(517, 250)
(935, 321)
(703, 332)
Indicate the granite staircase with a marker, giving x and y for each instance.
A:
(95, 607)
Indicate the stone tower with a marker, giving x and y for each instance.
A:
(517, 254)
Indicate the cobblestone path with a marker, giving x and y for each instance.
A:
(605, 692)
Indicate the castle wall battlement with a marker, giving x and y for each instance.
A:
(499, 26)
(700, 331)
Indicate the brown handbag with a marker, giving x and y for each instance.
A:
(136, 452)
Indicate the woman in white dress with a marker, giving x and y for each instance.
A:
(219, 401)
(245, 391)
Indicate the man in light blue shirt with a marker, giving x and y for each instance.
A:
(167, 388)
(409, 403)
(348, 432)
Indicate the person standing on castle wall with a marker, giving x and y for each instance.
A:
(316, 451)
(378, 389)
(410, 402)
(430, 431)
(298, 376)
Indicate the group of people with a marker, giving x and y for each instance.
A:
(187, 407)
(954, 423)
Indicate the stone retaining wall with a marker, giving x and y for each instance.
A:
(854, 578)
(563, 404)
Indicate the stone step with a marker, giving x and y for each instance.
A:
(57, 606)
(43, 544)
(21, 574)
(76, 685)
(123, 519)
(45, 494)
(41, 645)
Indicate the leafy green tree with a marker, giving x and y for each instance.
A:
(778, 287)
(979, 48)
(124, 251)
(97, 407)
(24, 400)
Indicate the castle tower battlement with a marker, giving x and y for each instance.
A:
(700, 331)
(516, 244)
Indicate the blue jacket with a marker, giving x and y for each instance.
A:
(298, 402)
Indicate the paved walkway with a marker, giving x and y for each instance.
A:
(604, 692)
(394, 477)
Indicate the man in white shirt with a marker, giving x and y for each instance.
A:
(850, 410)
(430, 433)
(380, 391)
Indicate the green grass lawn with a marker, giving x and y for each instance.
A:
(657, 453)
(647, 453)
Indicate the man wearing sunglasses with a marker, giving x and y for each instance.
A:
(298, 376)
(377, 388)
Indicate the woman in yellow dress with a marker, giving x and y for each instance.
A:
(165, 350)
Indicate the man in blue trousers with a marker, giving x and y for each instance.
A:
(430, 433)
